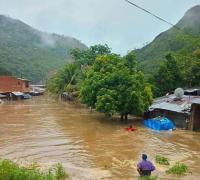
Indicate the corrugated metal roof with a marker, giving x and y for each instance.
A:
(196, 101)
(171, 103)
(2, 96)
(17, 93)
(168, 106)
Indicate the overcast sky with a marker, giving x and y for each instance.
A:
(120, 25)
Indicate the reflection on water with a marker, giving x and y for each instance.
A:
(89, 146)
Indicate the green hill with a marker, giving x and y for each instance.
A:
(185, 41)
(27, 52)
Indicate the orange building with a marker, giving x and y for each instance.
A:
(10, 84)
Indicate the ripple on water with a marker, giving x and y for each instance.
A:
(49, 132)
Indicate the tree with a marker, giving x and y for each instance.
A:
(62, 79)
(190, 68)
(70, 77)
(88, 56)
(168, 76)
(178, 70)
(4, 71)
(111, 86)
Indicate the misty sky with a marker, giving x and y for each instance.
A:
(120, 25)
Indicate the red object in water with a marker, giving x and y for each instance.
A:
(130, 129)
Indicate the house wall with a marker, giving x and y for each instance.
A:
(11, 84)
(179, 119)
(195, 117)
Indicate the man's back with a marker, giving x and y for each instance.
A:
(146, 165)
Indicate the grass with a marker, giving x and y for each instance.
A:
(178, 169)
(12, 171)
(162, 160)
(148, 178)
(60, 172)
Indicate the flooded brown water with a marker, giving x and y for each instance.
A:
(88, 145)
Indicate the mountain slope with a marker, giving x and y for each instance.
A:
(185, 41)
(27, 52)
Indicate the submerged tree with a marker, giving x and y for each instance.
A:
(113, 85)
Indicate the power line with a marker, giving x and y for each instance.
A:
(154, 15)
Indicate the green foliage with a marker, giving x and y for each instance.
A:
(4, 71)
(176, 71)
(70, 77)
(148, 178)
(12, 171)
(107, 82)
(178, 169)
(114, 86)
(88, 56)
(60, 173)
(62, 78)
(30, 53)
(168, 76)
(162, 160)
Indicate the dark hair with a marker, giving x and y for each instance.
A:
(144, 156)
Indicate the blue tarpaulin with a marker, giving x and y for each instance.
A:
(159, 123)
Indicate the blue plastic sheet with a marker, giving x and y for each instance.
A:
(159, 123)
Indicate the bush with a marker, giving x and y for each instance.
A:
(12, 171)
(162, 160)
(178, 169)
(60, 172)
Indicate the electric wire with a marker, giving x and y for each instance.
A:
(156, 16)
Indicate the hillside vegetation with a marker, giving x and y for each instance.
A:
(27, 52)
(185, 41)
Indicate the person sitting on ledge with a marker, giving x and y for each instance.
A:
(145, 167)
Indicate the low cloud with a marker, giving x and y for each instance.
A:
(114, 22)
(47, 40)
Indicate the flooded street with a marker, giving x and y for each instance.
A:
(89, 147)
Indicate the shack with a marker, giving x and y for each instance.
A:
(37, 90)
(184, 111)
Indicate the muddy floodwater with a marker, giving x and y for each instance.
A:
(88, 145)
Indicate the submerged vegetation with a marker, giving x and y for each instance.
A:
(178, 169)
(104, 81)
(12, 171)
(112, 84)
(162, 160)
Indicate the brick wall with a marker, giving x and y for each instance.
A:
(11, 84)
